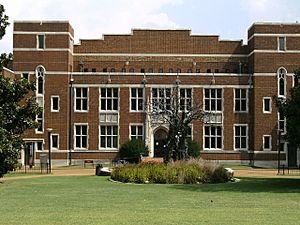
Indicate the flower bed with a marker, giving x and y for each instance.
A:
(193, 171)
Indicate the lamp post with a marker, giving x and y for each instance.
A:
(49, 145)
(279, 149)
(70, 119)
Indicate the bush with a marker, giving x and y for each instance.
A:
(131, 150)
(192, 171)
(193, 149)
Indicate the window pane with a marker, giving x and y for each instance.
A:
(243, 142)
(103, 104)
(237, 142)
(115, 142)
(133, 130)
(84, 104)
(115, 102)
(84, 92)
(140, 92)
(78, 130)
(78, 145)
(84, 142)
(115, 90)
(133, 92)
(103, 142)
(84, 130)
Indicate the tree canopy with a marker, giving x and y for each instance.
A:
(290, 108)
(3, 21)
(17, 114)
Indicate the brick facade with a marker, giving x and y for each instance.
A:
(160, 57)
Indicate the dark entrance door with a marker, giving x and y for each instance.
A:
(292, 156)
(160, 141)
(29, 154)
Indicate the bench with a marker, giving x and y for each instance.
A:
(88, 161)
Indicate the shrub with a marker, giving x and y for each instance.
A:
(131, 150)
(192, 171)
(193, 149)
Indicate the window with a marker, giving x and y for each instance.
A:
(281, 76)
(213, 100)
(137, 99)
(109, 99)
(25, 76)
(81, 136)
(40, 80)
(104, 70)
(109, 137)
(198, 71)
(296, 80)
(123, 70)
(185, 99)
(212, 137)
(178, 70)
(216, 70)
(94, 70)
(208, 70)
(142, 70)
(267, 105)
(136, 132)
(161, 70)
(39, 119)
(170, 70)
(281, 43)
(54, 103)
(240, 100)
(240, 137)
(190, 70)
(131, 70)
(41, 41)
(39, 145)
(113, 70)
(85, 70)
(281, 123)
(54, 141)
(267, 142)
(150, 70)
(161, 98)
(81, 99)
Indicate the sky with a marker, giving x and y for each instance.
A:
(230, 19)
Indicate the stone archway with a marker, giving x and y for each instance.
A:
(160, 141)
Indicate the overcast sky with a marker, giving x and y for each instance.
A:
(92, 18)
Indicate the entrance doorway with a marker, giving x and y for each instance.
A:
(29, 154)
(160, 141)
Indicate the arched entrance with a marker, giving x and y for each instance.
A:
(160, 141)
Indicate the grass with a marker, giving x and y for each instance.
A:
(95, 200)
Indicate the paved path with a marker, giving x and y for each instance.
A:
(90, 172)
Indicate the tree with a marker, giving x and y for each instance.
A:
(3, 21)
(132, 150)
(17, 114)
(290, 108)
(175, 109)
(6, 60)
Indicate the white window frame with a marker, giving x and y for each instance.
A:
(240, 136)
(75, 135)
(38, 41)
(81, 98)
(284, 44)
(136, 125)
(113, 135)
(284, 121)
(163, 100)
(187, 101)
(279, 77)
(240, 99)
(54, 148)
(58, 102)
(112, 98)
(210, 99)
(210, 136)
(264, 105)
(137, 98)
(270, 143)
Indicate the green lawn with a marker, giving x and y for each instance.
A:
(86, 200)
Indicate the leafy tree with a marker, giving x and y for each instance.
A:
(6, 60)
(290, 108)
(17, 114)
(178, 114)
(3, 21)
(132, 150)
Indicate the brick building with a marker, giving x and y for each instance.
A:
(94, 93)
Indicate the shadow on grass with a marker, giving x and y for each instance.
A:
(254, 185)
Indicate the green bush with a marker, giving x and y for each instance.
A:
(193, 149)
(193, 171)
(131, 150)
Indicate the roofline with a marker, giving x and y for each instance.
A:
(41, 21)
(273, 24)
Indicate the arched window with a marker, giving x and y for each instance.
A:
(40, 76)
(281, 77)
